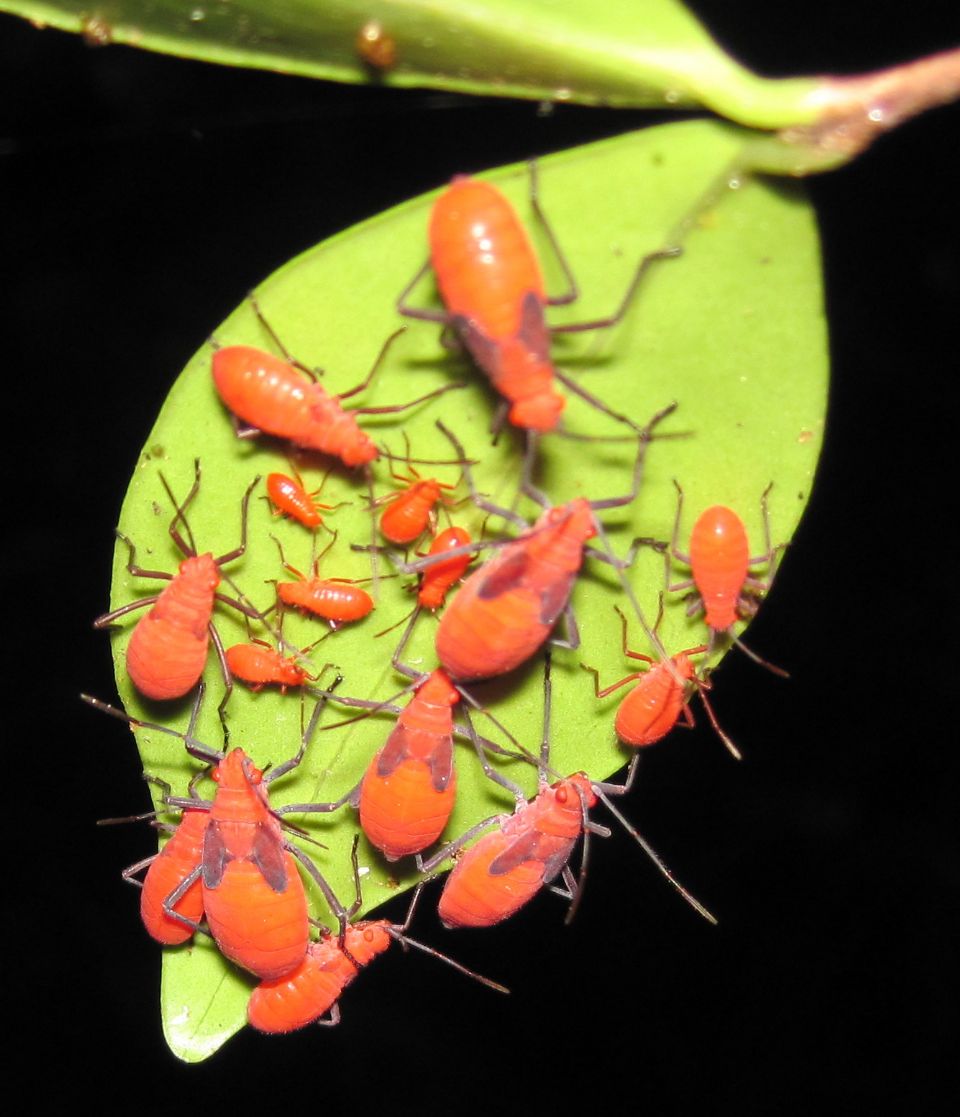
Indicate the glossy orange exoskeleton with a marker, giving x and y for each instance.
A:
(168, 649)
(654, 706)
(438, 579)
(290, 498)
(492, 286)
(270, 395)
(337, 600)
(260, 665)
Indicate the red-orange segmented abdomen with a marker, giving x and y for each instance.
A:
(482, 257)
(262, 930)
(438, 579)
(473, 897)
(652, 708)
(719, 562)
(330, 598)
(179, 858)
(312, 989)
(290, 497)
(269, 394)
(168, 649)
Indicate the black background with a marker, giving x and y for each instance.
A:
(143, 197)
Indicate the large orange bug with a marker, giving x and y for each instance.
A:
(252, 894)
(408, 790)
(168, 649)
(492, 286)
(337, 600)
(303, 996)
(532, 847)
(648, 713)
(508, 607)
(720, 562)
(270, 395)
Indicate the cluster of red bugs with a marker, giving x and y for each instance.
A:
(233, 866)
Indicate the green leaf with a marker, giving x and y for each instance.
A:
(733, 330)
(620, 52)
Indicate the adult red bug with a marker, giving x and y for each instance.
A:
(507, 608)
(491, 284)
(252, 895)
(407, 792)
(168, 649)
(269, 394)
(648, 713)
(720, 562)
(337, 600)
(507, 867)
(303, 996)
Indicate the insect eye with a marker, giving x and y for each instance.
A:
(562, 795)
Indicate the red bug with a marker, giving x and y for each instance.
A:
(290, 498)
(337, 600)
(269, 394)
(252, 895)
(331, 964)
(720, 563)
(492, 286)
(438, 579)
(177, 859)
(507, 608)
(410, 512)
(648, 713)
(168, 649)
(530, 848)
(260, 665)
(168, 869)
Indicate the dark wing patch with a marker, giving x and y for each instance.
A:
(267, 855)
(441, 764)
(484, 350)
(215, 855)
(507, 576)
(393, 753)
(533, 330)
(553, 600)
(524, 848)
(553, 865)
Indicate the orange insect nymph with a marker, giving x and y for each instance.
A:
(438, 579)
(719, 562)
(260, 665)
(271, 395)
(168, 649)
